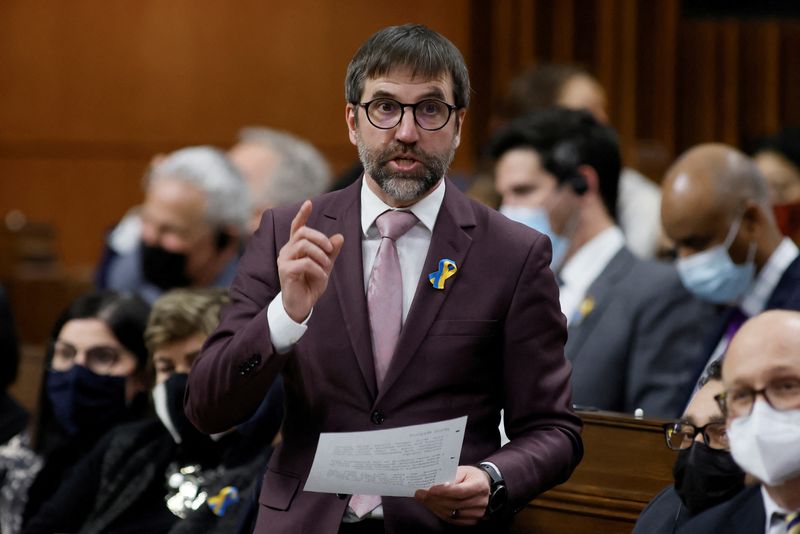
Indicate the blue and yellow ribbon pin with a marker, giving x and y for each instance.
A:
(219, 503)
(447, 268)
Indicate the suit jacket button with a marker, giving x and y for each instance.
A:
(378, 417)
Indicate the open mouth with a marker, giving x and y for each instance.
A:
(404, 163)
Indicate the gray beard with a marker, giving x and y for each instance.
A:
(404, 187)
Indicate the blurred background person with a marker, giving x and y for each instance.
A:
(94, 379)
(716, 209)
(161, 474)
(188, 233)
(761, 402)
(635, 333)
(571, 86)
(778, 159)
(705, 473)
(279, 168)
(13, 417)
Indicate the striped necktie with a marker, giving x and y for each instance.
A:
(793, 523)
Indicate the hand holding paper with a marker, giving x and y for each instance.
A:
(394, 462)
(462, 502)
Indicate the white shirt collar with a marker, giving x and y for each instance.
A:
(592, 258)
(426, 210)
(771, 507)
(755, 300)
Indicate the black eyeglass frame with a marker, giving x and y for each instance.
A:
(697, 430)
(450, 109)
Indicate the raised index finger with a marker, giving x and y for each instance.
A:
(301, 218)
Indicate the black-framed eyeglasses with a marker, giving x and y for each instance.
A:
(99, 359)
(430, 114)
(681, 435)
(782, 394)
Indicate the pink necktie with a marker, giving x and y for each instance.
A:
(385, 304)
(385, 289)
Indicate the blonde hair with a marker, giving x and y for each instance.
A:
(181, 313)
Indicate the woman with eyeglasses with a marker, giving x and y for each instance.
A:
(94, 379)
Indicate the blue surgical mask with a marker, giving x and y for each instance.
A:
(711, 274)
(538, 219)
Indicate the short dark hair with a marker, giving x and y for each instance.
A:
(426, 52)
(538, 88)
(565, 139)
(125, 315)
(786, 143)
(713, 372)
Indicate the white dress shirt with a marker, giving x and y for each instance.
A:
(638, 209)
(412, 248)
(584, 267)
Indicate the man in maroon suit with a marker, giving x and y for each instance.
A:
(481, 324)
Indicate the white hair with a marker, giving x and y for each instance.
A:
(210, 170)
(302, 171)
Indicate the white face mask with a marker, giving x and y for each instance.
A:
(766, 443)
(160, 402)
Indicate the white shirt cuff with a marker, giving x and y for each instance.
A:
(283, 331)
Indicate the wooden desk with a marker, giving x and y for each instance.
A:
(626, 463)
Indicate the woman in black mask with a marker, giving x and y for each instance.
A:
(704, 471)
(161, 474)
(94, 378)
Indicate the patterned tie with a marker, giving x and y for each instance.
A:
(385, 289)
(385, 304)
(793, 523)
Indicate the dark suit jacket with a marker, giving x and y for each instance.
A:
(744, 514)
(492, 339)
(663, 515)
(641, 342)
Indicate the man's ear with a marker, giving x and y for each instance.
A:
(460, 116)
(351, 119)
(753, 219)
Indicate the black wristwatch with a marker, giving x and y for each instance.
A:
(498, 494)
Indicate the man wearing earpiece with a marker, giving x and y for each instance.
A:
(634, 332)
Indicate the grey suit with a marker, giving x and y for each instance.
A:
(639, 341)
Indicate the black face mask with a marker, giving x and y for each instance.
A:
(165, 270)
(705, 477)
(83, 401)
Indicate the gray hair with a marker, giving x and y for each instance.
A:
(426, 52)
(302, 171)
(210, 170)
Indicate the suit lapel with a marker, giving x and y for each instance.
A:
(597, 299)
(451, 241)
(348, 279)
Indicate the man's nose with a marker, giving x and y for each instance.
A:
(406, 131)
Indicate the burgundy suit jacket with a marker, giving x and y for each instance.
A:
(492, 338)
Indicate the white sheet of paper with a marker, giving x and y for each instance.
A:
(393, 463)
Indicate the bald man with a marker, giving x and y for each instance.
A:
(761, 401)
(716, 208)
